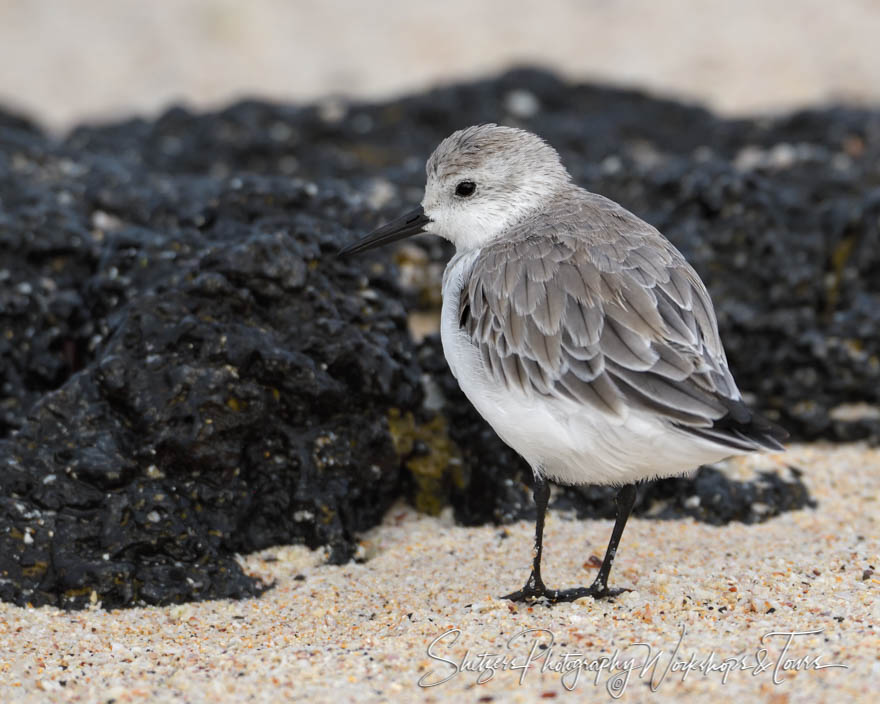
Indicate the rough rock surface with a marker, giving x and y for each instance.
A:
(188, 372)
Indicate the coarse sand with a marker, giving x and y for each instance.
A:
(361, 632)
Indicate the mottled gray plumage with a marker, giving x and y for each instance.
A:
(575, 329)
(595, 305)
(580, 299)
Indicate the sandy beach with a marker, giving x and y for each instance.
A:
(360, 632)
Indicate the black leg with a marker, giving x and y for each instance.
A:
(625, 499)
(534, 587)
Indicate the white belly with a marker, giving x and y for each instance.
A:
(566, 441)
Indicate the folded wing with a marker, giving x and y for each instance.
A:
(599, 308)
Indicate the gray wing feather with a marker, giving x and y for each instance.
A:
(600, 308)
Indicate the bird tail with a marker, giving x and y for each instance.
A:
(742, 430)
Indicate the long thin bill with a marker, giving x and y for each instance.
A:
(413, 223)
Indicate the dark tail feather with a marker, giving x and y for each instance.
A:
(742, 429)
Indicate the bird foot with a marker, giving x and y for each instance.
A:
(597, 591)
(528, 593)
(532, 592)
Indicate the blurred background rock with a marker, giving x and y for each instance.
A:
(98, 59)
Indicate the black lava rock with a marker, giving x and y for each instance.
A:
(193, 374)
(188, 371)
(708, 496)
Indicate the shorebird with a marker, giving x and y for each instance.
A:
(575, 328)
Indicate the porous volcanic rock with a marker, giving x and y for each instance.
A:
(192, 374)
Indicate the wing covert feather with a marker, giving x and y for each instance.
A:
(599, 308)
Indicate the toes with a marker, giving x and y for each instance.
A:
(527, 594)
(597, 592)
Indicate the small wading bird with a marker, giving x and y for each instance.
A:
(576, 329)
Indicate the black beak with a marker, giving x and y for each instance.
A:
(413, 223)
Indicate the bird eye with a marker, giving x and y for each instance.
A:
(465, 189)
